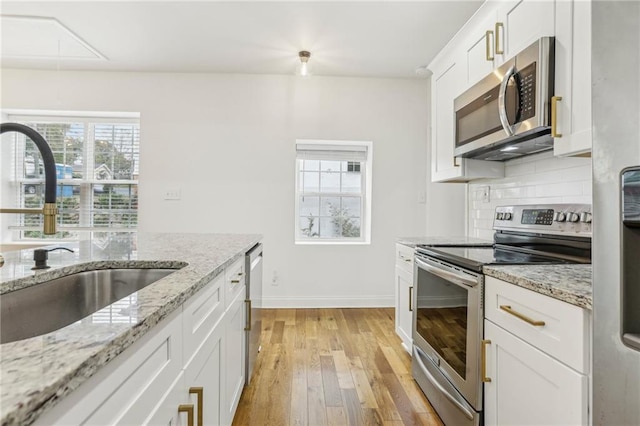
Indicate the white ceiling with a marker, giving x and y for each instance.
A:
(374, 39)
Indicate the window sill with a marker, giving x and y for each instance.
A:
(336, 243)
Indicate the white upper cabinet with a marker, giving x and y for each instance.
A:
(520, 23)
(493, 35)
(447, 82)
(573, 78)
(480, 48)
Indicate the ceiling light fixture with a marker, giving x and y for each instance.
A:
(304, 63)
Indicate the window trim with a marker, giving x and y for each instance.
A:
(366, 194)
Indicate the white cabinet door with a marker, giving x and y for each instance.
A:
(520, 23)
(528, 387)
(204, 374)
(404, 307)
(234, 356)
(480, 50)
(445, 86)
(166, 411)
(573, 77)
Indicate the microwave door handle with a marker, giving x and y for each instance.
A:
(448, 275)
(502, 101)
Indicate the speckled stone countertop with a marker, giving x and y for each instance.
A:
(442, 241)
(36, 372)
(569, 283)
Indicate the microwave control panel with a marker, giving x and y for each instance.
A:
(527, 83)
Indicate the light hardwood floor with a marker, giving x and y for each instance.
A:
(332, 367)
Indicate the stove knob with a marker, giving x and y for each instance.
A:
(507, 216)
(573, 217)
(561, 217)
(500, 216)
(585, 217)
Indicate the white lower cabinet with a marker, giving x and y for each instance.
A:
(166, 411)
(528, 386)
(234, 356)
(536, 357)
(404, 295)
(193, 359)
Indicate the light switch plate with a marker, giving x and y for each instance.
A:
(172, 194)
(485, 192)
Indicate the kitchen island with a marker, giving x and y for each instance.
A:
(38, 372)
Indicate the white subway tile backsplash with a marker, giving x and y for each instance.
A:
(559, 189)
(535, 179)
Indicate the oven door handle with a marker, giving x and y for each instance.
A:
(449, 275)
(468, 413)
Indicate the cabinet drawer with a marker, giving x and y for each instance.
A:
(201, 314)
(565, 333)
(234, 280)
(404, 257)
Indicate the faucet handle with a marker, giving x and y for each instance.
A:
(40, 256)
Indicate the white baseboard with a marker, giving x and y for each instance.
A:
(329, 302)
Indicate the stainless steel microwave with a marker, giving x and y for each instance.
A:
(508, 113)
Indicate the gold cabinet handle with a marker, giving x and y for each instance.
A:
(499, 25)
(455, 163)
(235, 281)
(411, 298)
(488, 45)
(200, 394)
(524, 318)
(248, 327)
(187, 408)
(554, 116)
(483, 361)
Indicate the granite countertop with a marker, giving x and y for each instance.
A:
(443, 241)
(37, 372)
(569, 283)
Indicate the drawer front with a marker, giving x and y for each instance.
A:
(201, 314)
(404, 258)
(234, 280)
(560, 329)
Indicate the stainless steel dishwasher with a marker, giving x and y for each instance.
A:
(253, 266)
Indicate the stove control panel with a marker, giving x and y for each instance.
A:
(563, 219)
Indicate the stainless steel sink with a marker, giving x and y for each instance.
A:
(46, 307)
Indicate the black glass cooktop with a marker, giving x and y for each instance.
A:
(475, 257)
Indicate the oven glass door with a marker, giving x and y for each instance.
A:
(447, 322)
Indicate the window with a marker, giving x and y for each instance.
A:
(97, 162)
(333, 191)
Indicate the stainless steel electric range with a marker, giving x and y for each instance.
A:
(448, 317)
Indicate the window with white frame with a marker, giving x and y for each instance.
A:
(97, 160)
(333, 191)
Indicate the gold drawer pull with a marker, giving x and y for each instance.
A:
(488, 44)
(187, 408)
(235, 281)
(554, 116)
(525, 318)
(411, 298)
(248, 327)
(499, 25)
(483, 361)
(200, 394)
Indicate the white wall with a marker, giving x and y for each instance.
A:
(228, 143)
(535, 179)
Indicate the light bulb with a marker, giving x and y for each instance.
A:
(304, 69)
(304, 63)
